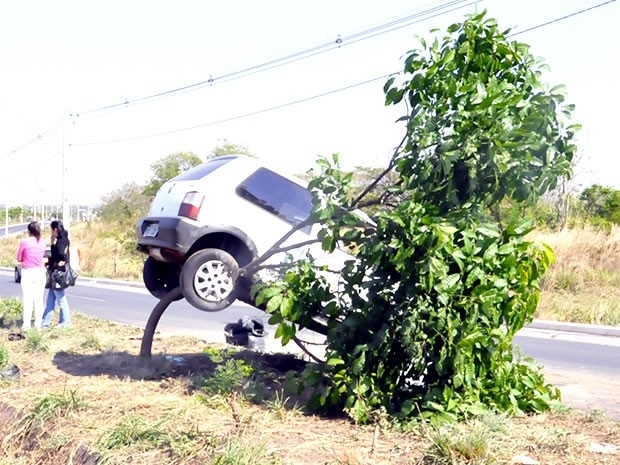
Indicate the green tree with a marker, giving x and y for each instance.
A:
(425, 315)
(124, 206)
(225, 147)
(168, 167)
(121, 209)
(16, 213)
(602, 203)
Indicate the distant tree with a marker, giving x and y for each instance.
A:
(124, 205)
(168, 167)
(15, 213)
(602, 202)
(225, 147)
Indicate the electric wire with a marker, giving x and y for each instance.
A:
(232, 118)
(55, 128)
(561, 18)
(393, 24)
(297, 56)
(306, 99)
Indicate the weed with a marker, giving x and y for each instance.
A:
(459, 444)
(279, 406)
(5, 357)
(91, 341)
(35, 342)
(555, 440)
(47, 408)
(218, 354)
(10, 312)
(230, 376)
(131, 430)
(234, 451)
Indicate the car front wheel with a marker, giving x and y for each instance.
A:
(209, 280)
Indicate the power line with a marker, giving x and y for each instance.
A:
(324, 94)
(538, 26)
(56, 127)
(232, 118)
(435, 9)
(382, 28)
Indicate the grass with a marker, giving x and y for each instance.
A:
(90, 399)
(583, 286)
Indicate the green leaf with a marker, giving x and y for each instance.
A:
(286, 306)
(274, 303)
(334, 361)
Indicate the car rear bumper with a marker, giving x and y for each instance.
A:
(173, 234)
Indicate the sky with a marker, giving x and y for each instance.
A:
(76, 75)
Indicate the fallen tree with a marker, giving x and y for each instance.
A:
(425, 314)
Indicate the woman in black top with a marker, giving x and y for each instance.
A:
(58, 260)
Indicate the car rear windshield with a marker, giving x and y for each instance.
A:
(276, 194)
(201, 171)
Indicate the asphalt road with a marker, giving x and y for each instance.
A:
(561, 351)
(585, 368)
(13, 229)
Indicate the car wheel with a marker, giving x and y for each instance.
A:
(209, 280)
(160, 277)
(17, 275)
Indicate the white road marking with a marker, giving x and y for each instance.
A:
(87, 298)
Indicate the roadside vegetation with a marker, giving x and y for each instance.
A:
(195, 402)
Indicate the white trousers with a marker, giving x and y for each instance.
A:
(33, 291)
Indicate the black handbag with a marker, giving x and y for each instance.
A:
(62, 279)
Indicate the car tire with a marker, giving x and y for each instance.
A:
(160, 277)
(209, 280)
(17, 276)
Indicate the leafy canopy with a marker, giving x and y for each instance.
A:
(423, 318)
(225, 147)
(169, 167)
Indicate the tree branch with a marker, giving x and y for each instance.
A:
(274, 250)
(306, 351)
(389, 168)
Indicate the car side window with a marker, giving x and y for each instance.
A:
(279, 196)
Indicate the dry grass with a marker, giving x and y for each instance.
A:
(104, 253)
(583, 286)
(89, 399)
(584, 283)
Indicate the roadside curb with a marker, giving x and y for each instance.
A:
(114, 282)
(595, 330)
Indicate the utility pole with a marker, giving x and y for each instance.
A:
(66, 212)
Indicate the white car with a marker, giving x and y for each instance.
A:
(215, 218)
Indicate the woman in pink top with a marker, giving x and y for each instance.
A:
(31, 254)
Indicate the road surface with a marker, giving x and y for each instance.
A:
(13, 229)
(586, 368)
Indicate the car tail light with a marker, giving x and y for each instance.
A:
(190, 207)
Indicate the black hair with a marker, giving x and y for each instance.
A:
(34, 229)
(58, 226)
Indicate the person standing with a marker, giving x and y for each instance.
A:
(31, 254)
(59, 259)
